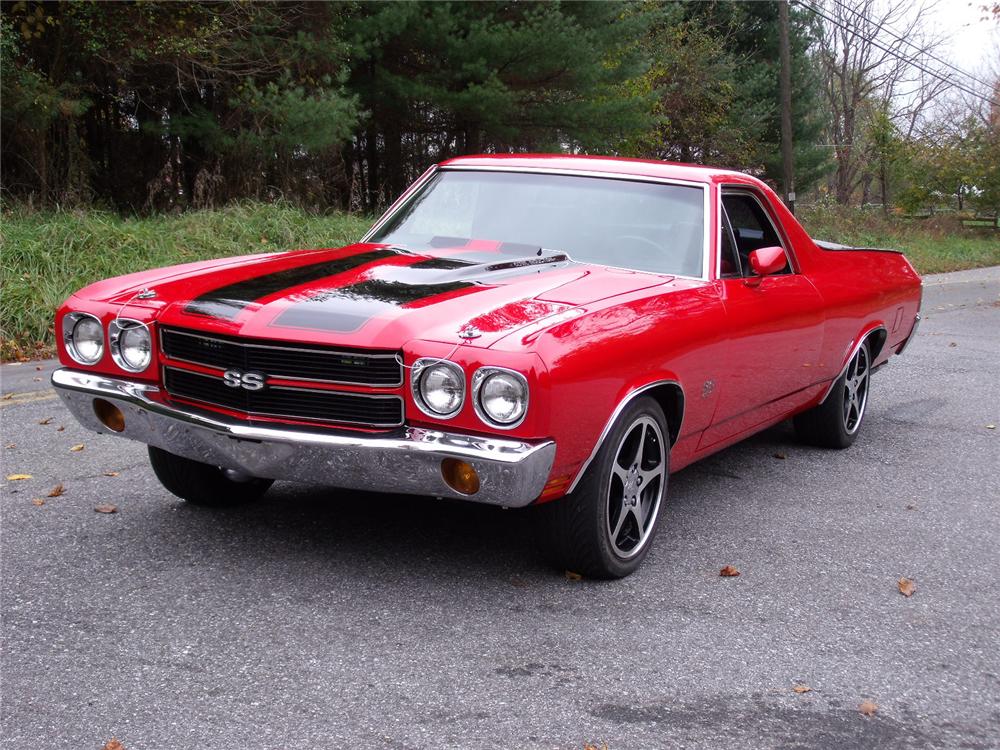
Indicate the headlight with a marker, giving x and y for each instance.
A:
(83, 337)
(500, 396)
(131, 344)
(438, 387)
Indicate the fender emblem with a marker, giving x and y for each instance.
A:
(249, 381)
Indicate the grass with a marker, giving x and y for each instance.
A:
(933, 245)
(47, 255)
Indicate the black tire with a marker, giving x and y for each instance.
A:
(837, 421)
(203, 484)
(576, 530)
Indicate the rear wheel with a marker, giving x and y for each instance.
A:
(204, 484)
(837, 421)
(605, 527)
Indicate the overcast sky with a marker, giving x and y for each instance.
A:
(974, 42)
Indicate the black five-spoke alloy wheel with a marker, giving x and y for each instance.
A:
(605, 527)
(836, 422)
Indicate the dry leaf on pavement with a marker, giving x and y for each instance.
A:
(906, 586)
(17, 477)
(800, 688)
(60, 428)
(571, 576)
(106, 508)
(57, 490)
(38, 501)
(729, 572)
(782, 456)
(10, 446)
(868, 707)
(77, 448)
(45, 421)
(113, 744)
(111, 473)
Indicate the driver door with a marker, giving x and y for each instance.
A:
(774, 324)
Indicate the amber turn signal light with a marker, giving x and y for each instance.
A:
(109, 414)
(461, 476)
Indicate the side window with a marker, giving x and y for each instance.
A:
(729, 259)
(752, 229)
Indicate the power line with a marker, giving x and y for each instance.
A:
(907, 42)
(899, 56)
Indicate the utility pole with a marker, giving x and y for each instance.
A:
(787, 155)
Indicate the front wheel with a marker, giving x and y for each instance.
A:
(204, 484)
(837, 421)
(605, 527)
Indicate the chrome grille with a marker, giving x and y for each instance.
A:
(311, 404)
(380, 369)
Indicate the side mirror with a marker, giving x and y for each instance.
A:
(767, 260)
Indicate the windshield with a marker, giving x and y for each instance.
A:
(639, 225)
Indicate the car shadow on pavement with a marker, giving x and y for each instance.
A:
(336, 529)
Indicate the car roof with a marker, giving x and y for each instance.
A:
(611, 165)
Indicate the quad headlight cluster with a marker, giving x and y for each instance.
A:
(129, 341)
(499, 395)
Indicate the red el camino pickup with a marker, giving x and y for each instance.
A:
(515, 330)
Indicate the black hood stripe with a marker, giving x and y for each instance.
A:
(350, 307)
(229, 300)
(347, 308)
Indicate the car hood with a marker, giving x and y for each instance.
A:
(371, 295)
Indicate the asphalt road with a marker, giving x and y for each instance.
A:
(320, 619)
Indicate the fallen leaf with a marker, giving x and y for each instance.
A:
(38, 501)
(106, 508)
(571, 576)
(906, 586)
(113, 744)
(782, 456)
(56, 491)
(10, 446)
(111, 473)
(77, 448)
(60, 428)
(45, 421)
(8, 396)
(17, 477)
(800, 688)
(729, 572)
(868, 707)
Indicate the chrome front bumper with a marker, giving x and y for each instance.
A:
(512, 473)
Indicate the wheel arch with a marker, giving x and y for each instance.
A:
(877, 334)
(669, 394)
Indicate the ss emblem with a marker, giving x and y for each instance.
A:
(250, 381)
